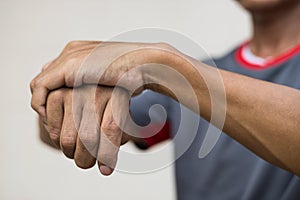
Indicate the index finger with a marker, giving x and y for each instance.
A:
(41, 85)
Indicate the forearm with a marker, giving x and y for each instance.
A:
(262, 116)
(269, 127)
(265, 118)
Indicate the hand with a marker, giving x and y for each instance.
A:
(106, 66)
(75, 124)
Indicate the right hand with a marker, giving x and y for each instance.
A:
(108, 63)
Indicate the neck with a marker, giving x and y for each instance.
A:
(275, 32)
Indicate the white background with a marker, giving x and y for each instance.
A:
(34, 32)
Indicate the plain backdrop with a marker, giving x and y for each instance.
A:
(32, 32)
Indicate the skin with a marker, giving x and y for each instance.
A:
(269, 128)
(263, 6)
(275, 27)
(75, 126)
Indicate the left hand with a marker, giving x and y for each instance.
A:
(81, 123)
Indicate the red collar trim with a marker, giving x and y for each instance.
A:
(271, 63)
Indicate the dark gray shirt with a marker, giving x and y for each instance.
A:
(230, 171)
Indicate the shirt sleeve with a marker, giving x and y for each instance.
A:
(140, 107)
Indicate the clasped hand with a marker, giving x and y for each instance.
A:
(73, 97)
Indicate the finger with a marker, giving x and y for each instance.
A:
(78, 45)
(54, 78)
(70, 126)
(46, 66)
(55, 115)
(82, 157)
(111, 133)
(87, 142)
(41, 86)
(125, 138)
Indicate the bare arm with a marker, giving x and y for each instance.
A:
(260, 115)
(263, 116)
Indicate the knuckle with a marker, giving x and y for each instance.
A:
(36, 107)
(73, 44)
(166, 46)
(68, 142)
(70, 79)
(56, 96)
(32, 84)
(110, 128)
(70, 71)
(111, 134)
(71, 59)
(90, 141)
(35, 83)
(33, 105)
(38, 82)
(54, 133)
(44, 68)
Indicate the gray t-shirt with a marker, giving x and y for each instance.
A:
(230, 171)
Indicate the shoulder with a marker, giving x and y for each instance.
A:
(228, 59)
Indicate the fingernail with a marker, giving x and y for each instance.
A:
(105, 170)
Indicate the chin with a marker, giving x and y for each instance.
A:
(263, 5)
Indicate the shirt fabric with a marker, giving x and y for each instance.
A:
(229, 171)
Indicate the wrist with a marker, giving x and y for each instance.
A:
(166, 69)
